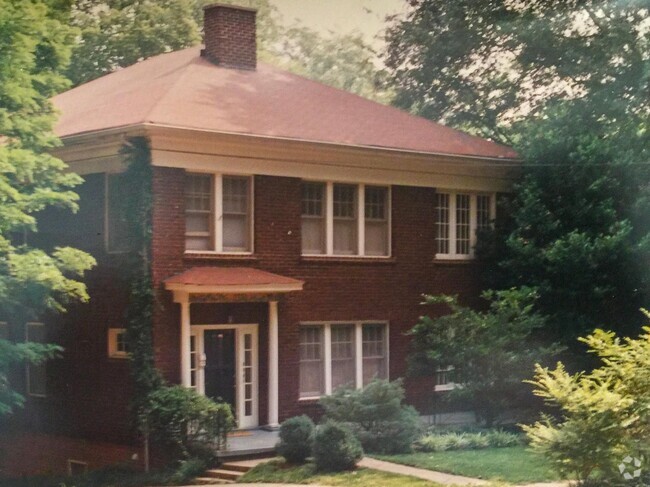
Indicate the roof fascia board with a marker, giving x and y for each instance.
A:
(235, 289)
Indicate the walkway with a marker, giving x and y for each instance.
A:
(433, 476)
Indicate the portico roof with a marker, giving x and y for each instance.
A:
(231, 280)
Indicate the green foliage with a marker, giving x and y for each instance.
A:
(296, 436)
(467, 441)
(183, 420)
(376, 415)
(491, 351)
(579, 231)
(34, 49)
(480, 64)
(335, 448)
(604, 414)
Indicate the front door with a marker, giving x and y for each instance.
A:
(228, 368)
(220, 365)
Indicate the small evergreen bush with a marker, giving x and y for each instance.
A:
(376, 415)
(335, 448)
(296, 436)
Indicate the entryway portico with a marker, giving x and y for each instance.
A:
(222, 359)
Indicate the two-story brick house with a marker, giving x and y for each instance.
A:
(295, 228)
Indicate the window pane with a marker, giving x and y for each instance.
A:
(345, 219)
(119, 238)
(374, 352)
(376, 212)
(313, 218)
(343, 356)
(345, 201)
(199, 217)
(482, 212)
(236, 214)
(311, 362)
(442, 223)
(462, 224)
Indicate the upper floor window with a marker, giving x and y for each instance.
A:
(118, 235)
(332, 223)
(117, 344)
(218, 213)
(458, 218)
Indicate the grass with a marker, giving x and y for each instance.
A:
(512, 464)
(277, 471)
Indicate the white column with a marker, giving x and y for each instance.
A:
(185, 339)
(273, 365)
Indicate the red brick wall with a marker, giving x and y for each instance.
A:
(334, 289)
(87, 392)
(230, 36)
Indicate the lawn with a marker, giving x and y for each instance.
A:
(514, 464)
(277, 471)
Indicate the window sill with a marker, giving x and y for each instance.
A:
(218, 256)
(444, 387)
(454, 261)
(343, 259)
(309, 399)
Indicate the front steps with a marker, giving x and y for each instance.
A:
(228, 472)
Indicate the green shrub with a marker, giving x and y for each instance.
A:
(376, 415)
(335, 448)
(604, 413)
(188, 470)
(183, 421)
(296, 436)
(443, 441)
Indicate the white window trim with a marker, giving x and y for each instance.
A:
(327, 351)
(361, 221)
(113, 352)
(217, 191)
(452, 255)
(27, 366)
(448, 386)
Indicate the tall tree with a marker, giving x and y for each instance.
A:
(480, 64)
(34, 48)
(566, 82)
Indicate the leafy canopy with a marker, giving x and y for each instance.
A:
(34, 49)
(491, 351)
(482, 64)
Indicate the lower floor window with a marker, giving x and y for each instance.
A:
(334, 355)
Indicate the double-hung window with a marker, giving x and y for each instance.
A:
(334, 355)
(218, 213)
(459, 216)
(345, 219)
(118, 346)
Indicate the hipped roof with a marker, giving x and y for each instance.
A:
(183, 89)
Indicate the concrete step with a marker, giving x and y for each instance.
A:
(212, 481)
(222, 473)
(244, 465)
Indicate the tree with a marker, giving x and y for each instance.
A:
(603, 415)
(579, 231)
(491, 352)
(566, 83)
(480, 64)
(34, 49)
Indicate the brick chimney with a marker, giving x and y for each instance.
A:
(229, 35)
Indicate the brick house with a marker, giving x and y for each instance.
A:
(295, 228)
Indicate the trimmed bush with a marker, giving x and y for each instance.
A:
(376, 415)
(335, 448)
(296, 436)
